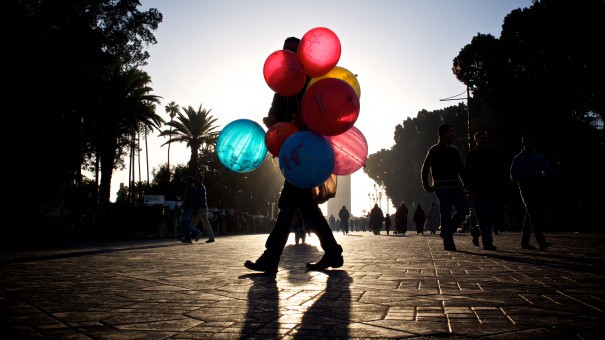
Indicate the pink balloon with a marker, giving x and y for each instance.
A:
(319, 51)
(330, 106)
(284, 73)
(350, 151)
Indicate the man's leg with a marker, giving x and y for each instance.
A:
(482, 210)
(332, 250)
(447, 229)
(203, 212)
(531, 199)
(278, 237)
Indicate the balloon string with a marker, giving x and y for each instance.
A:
(349, 154)
(320, 103)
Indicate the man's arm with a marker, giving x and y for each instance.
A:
(424, 172)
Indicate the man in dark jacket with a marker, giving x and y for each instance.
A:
(483, 184)
(445, 164)
(528, 169)
(293, 198)
(344, 215)
(376, 218)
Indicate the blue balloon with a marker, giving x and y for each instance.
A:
(241, 145)
(306, 159)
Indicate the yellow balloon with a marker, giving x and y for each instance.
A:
(342, 74)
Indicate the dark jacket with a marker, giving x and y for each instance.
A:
(343, 214)
(446, 166)
(401, 216)
(482, 171)
(419, 216)
(376, 217)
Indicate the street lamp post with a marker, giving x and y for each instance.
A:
(468, 112)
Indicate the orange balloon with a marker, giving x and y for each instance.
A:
(277, 134)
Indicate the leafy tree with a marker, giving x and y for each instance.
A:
(196, 129)
(398, 168)
(82, 43)
(544, 76)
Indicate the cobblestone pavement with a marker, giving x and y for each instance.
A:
(389, 287)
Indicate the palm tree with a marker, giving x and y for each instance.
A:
(196, 128)
(172, 109)
(125, 105)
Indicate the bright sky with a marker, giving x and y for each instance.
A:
(211, 53)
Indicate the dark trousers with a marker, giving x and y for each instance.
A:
(486, 208)
(449, 197)
(294, 198)
(533, 217)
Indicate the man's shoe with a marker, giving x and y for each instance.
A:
(261, 266)
(198, 236)
(545, 245)
(528, 246)
(475, 233)
(449, 247)
(332, 259)
(490, 247)
(210, 240)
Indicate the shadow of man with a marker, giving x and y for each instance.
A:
(262, 313)
(329, 316)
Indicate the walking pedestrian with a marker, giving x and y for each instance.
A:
(293, 198)
(419, 219)
(432, 218)
(376, 218)
(483, 185)
(201, 214)
(299, 229)
(387, 223)
(189, 205)
(445, 165)
(344, 215)
(401, 218)
(529, 169)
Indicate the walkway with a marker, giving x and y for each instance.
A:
(389, 287)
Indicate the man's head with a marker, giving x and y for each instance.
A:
(528, 142)
(481, 139)
(291, 44)
(199, 178)
(446, 133)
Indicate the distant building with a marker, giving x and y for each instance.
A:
(343, 196)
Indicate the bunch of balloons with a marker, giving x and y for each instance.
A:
(330, 107)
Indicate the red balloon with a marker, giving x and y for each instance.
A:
(277, 134)
(284, 73)
(350, 151)
(319, 51)
(330, 106)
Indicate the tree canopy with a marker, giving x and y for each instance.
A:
(542, 76)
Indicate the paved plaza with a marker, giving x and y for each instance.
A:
(402, 287)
